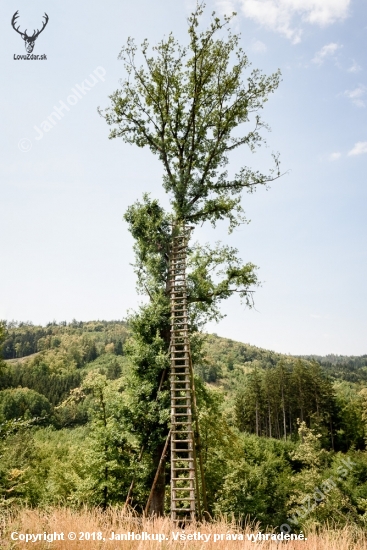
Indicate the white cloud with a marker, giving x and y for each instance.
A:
(335, 156)
(287, 16)
(357, 95)
(360, 148)
(354, 68)
(326, 51)
(259, 47)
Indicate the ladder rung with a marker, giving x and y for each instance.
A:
(175, 397)
(177, 258)
(178, 290)
(179, 373)
(183, 423)
(181, 399)
(183, 371)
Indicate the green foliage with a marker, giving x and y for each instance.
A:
(363, 396)
(83, 341)
(23, 403)
(106, 467)
(257, 485)
(68, 351)
(328, 486)
(219, 443)
(42, 467)
(351, 429)
(147, 412)
(90, 454)
(269, 401)
(340, 367)
(2, 336)
(38, 376)
(185, 105)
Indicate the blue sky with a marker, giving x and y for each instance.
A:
(65, 251)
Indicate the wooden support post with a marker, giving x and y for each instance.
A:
(164, 452)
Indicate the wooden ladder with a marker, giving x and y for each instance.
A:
(183, 461)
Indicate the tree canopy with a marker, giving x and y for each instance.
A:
(191, 106)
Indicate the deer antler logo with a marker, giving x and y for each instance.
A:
(28, 40)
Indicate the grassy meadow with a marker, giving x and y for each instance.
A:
(68, 521)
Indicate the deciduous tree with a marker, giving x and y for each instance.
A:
(191, 106)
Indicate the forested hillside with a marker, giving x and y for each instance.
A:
(273, 427)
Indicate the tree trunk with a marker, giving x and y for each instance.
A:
(284, 419)
(269, 419)
(332, 435)
(156, 506)
(290, 421)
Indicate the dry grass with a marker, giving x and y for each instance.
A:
(63, 520)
